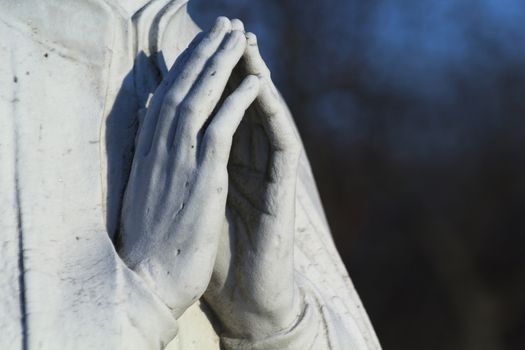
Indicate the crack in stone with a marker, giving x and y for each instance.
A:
(20, 228)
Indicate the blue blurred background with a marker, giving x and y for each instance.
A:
(413, 116)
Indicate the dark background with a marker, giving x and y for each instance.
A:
(413, 116)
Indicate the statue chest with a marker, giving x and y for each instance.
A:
(67, 124)
(52, 111)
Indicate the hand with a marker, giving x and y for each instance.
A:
(175, 200)
(253, 290)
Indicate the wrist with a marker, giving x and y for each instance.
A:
(298, 335)
(254, 323)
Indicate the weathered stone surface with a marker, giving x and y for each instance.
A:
(77, 77)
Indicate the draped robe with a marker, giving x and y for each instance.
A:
(75, 76)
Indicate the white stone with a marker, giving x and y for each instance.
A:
(77, 76)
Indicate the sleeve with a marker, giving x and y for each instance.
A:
(303, 334)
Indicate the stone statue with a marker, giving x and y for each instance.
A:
(143, 207)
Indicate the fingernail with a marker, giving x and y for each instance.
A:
(233, 39)
(220, 24)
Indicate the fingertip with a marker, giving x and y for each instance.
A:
(221, 23)
(222, 20)
(251, 39)
(237, 24)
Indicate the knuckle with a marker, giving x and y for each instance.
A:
(215, 136)
(187, 108)
(272, 111)
(202, 51)
(217, 60)
(172, 100)
(221, 58)
(188, 128)
(216, 146)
